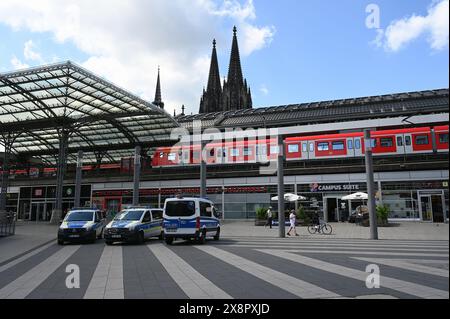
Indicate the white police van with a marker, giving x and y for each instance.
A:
(135, 224)
(190, 218)
(81, 224)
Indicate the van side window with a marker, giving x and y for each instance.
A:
(157, 214)
(146, 218)
(205, 209)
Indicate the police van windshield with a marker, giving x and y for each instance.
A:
(180, 208)
(130, 215)
(79, 216)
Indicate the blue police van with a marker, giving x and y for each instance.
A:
(81, 224)
(135, 224)
(190, 218)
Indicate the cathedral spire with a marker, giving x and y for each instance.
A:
(212, 96)
(234, 70)
(158, 100)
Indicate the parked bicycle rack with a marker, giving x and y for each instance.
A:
(8, 224)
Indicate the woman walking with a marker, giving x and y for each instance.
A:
(292, 220)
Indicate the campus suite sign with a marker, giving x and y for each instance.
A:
(316, 187)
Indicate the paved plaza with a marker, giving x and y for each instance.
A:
(249, 262)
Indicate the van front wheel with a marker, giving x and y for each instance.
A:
(202, 238)
(168, 240)
(217, 236)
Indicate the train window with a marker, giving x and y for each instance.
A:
(311, 147)
(322, 146)
(304, 147)
(407, 140)
(293, 148)
(357, 143)
(350, 144)
(261, 149)
(234, 152)
(248, 151)
(172, 157)
(274, 149)
(443, 138)
(386, 142)
(161, 155)
(399, 141)
(337, 145)
(421, 139)
(211, 152)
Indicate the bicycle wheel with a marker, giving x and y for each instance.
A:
(312, 229)
(327, 229)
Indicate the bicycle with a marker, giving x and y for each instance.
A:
(323, 228)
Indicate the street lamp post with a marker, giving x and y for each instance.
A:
(370, 184)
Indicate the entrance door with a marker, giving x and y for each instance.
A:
(37, 212)
(431, 208)
(332, 211)
(112, 206)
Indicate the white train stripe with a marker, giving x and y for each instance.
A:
(25, 284)
(107, 281)
(25, 257)
(194, 284)
(408, 265)
(386, 282)
(291, 284)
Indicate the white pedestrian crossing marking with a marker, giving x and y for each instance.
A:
(194, 284)
(358, 252)
(25, 257)
(107, 281)
(407, 264)
(386, 282)
(25, 284)
(291, 284)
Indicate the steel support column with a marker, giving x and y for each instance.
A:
(370, 185)
(203, 170)
(61, 171)
(136, 175)
(280, 173)
(5, 173)
(78, 177)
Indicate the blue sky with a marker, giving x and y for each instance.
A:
(292, 51)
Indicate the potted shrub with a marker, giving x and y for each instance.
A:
(302, 217)
(382, 214)
(261, 216)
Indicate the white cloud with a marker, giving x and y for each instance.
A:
(435, 25)
(264, 90)
(127, 40)
(29, 53)
(17, 64)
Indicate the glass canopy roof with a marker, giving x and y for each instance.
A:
(101, 118)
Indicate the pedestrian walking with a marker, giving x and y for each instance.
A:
(292, 220)
(269, 217)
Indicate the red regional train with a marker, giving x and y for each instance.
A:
(327, 146)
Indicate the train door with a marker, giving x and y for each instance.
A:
(305, 153)
(407, 139)
(350, 147)
(357, 147)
